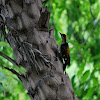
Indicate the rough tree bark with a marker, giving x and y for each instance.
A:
(35, 49)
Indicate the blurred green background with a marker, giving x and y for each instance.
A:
(80, 21)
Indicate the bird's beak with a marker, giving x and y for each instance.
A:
(60, 33)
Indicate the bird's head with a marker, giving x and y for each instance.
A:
(63, 36)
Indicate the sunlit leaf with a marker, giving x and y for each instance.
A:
(89, 93)
(79, 73)
(3, 44)
(85, 76)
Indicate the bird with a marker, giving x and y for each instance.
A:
(64, 52)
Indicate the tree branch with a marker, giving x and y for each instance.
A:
(92, 31)
(13, 71)
(91, 10)
(9, 59)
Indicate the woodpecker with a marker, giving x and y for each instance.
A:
(64, 51)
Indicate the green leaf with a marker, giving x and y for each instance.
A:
(96, 57)
(81, 69)
(97, 65)
(73, 80)
(6, 30)
(85, 76)
(95, 82)
(3, 44)
(2, 77)
(89, 93)
(1, 87)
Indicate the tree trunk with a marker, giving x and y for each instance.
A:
(35, 49)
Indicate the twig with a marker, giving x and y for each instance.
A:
(26, 47)
(91, 10)
(43, 58)
(29, 56)
(33, 58)
(13, 71)
(91, 31)
(9, 59)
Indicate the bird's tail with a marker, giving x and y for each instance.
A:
(64, 67)
(67, 63)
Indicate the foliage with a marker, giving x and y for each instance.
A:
(80, 21)
(11, 87)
